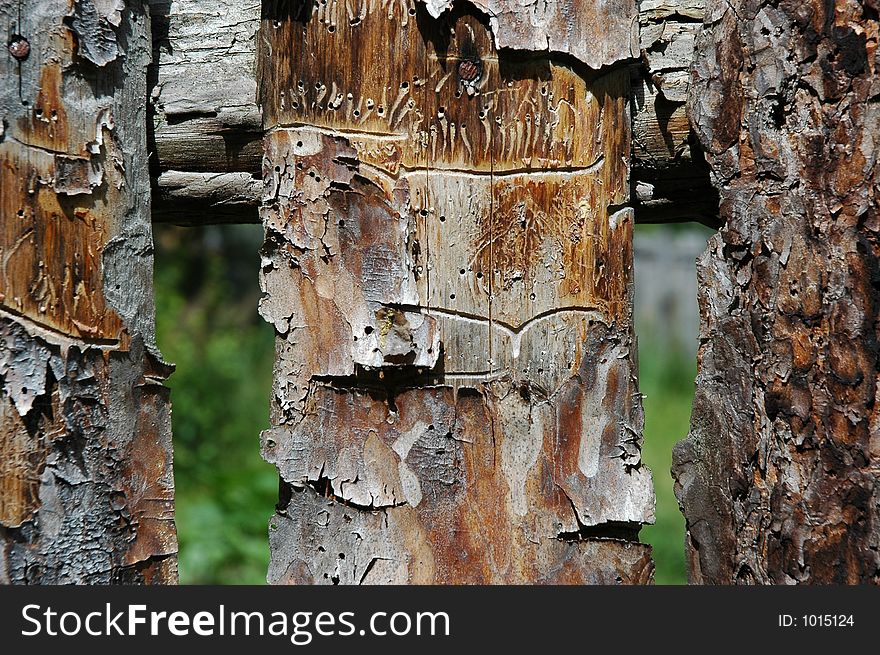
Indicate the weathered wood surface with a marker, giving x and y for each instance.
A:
(206, 142)
(670, 176)
(448, 268)
(86, 490)
(779, 478)
(599, 33)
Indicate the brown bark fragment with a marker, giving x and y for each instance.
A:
(779, 477)
(597, 33)
(447, 266)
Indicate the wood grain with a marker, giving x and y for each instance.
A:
(448, 267)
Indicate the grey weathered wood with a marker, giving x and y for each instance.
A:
(779, 479)
(86, 490)
(196, 198)
(207, 120)
(206, 137)
(448, 269)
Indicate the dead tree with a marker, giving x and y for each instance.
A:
(86, 490)
(779, 479)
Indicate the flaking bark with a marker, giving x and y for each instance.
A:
(448, 268)
(779, 478)
(86, 489)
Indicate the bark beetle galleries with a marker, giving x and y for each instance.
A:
(449, 279)
(86, 490)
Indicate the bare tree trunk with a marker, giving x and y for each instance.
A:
(86, 488)
(779, 478)
(448, 267)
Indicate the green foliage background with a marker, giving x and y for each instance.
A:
(667, 381)
(207, 324)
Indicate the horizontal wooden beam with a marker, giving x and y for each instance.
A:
(206, 140)
(670, 178)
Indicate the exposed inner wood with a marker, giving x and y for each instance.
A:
(448, 268)
(86, 490)
(206, 145)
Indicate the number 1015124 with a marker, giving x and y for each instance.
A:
(816, 621)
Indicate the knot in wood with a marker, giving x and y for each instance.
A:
(19, 47)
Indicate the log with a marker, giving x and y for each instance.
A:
(86, 488)
(670, 176)
(206, 129)
(448, 270)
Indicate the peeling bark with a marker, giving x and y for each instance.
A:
(206, 142)
(448, 268)
(779, 478)
(85, 454)
(597, 33)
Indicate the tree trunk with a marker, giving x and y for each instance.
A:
(448, 268)
(86, 490)
(779, 477)
(206, 138)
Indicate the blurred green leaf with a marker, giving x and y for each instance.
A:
(207, 324)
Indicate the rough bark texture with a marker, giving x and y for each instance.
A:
(780, 477)
(206, 143)
(86, 489)
(448, 267)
